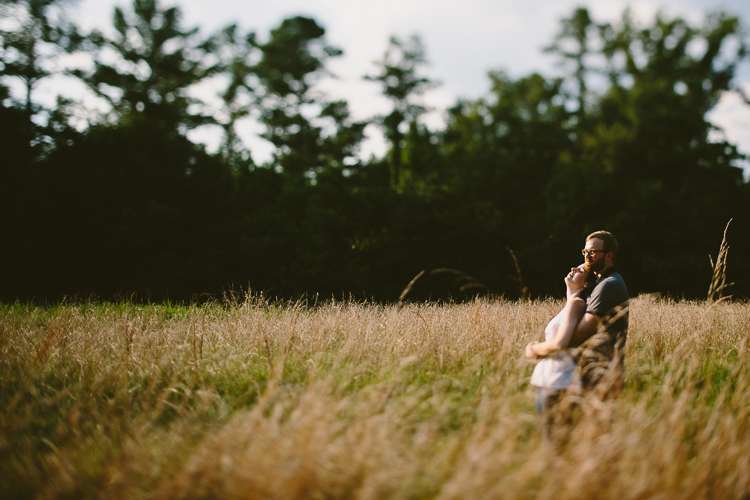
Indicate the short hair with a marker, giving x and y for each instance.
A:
(610, 243)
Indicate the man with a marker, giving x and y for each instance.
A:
(602, 331)
(599, 336)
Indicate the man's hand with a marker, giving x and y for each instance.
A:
(529, 351)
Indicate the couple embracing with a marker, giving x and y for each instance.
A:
(584, 346)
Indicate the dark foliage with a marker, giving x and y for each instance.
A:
(131, 208)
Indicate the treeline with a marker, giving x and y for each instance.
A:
(119, 203)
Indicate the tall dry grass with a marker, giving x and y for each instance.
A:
(351, 400)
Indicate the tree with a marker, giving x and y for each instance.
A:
(401, 82)
(502, 148)
(648, 160)
(156, 62)
(572, 44)
(234, 53)
(38, 34)
(310, 133)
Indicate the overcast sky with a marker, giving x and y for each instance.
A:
(464, 39)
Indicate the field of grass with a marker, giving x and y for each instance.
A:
(350, 400)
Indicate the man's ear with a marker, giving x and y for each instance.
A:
(609, 256)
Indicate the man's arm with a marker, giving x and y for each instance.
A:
(585, 328)
(573, 310)
(606, 296)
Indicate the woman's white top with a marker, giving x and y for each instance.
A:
(556, 371)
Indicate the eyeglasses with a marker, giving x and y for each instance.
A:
(590, 253)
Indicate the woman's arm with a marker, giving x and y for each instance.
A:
(570, 315)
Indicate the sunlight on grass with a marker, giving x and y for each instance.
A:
(353, 400)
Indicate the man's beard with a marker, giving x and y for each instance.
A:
(597, 266)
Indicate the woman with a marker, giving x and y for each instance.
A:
(555, 371)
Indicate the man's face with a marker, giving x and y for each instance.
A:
(595, 256)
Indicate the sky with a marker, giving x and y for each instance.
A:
(463, 39)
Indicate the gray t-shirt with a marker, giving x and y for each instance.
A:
(609, 293)
(601, 358)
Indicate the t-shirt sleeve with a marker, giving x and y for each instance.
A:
(606, 296)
